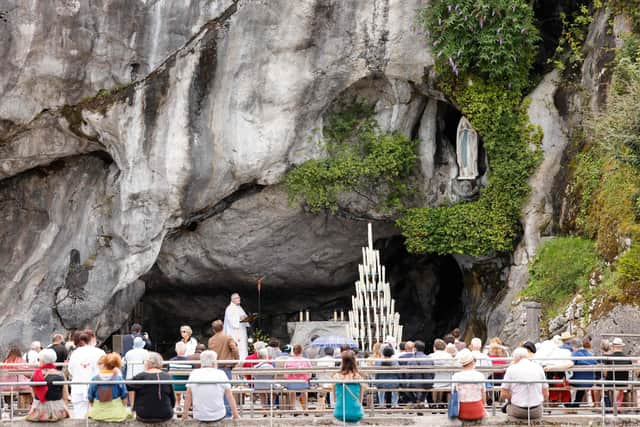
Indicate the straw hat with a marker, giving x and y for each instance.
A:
(464, 357)
(566, 335)
(618, 341)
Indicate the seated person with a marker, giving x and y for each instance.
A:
(152, 403)
(108, 401)
(50, 400)
(208, 399)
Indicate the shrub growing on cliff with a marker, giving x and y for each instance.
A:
(560, 268)
(493, 39)
(361, 159)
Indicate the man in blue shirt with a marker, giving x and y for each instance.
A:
(579, 351)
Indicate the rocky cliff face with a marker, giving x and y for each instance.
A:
(156, 133)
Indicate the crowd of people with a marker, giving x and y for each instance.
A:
(466, 374)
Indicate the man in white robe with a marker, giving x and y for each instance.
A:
(234, 325)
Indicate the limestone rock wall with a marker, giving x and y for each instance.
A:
(129, 129)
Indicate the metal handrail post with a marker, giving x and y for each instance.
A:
(11, 405)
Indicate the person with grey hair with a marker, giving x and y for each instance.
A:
(32, 354)
(525, 399)
(49, 403)
(152, 402)
(209, 399)
(235, 325)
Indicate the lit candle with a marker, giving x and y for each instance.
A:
(301, 318)
(341, 315)
(307, 315)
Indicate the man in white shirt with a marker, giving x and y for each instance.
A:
(83, 366)
(234, 325)
(208, 399)
(525, 399)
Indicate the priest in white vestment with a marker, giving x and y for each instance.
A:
(234, 325)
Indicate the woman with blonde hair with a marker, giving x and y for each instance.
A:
(108, 401)
(190, 342)
(348, 396)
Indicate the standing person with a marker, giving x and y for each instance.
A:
(423, 396)
(209, 400)
(83, 366)
(32, 354)
(224, 345)
(297, 361)
(225, 348)
(57, 345)
(136, 331)
(235, 326)
(190, 342)
(472, 396)
(180, 356)
(108, 401)
(50, 400)
(348, 396)
(526, 398)
(152, 403)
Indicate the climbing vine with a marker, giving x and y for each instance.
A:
(476, 43)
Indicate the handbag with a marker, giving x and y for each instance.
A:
(454, 404)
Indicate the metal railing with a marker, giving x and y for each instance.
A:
(278, 386)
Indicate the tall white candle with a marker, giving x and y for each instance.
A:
(307, 315)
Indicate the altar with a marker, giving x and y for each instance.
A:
(302, 332)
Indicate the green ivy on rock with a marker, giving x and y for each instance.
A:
(361, 159)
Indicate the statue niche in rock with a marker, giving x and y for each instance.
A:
(467, 151)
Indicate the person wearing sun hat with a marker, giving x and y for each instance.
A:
(566, 338)
(620, 375)
(472, 396)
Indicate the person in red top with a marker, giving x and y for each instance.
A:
(298, 362)
(253, 359)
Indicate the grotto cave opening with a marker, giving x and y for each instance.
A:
(429, 293)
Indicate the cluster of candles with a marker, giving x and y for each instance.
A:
(304, 316)
(373, 317)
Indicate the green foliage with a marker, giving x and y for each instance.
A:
(629, 272)
(560, 268)
(493, 39)
(609, 167)
(569, 55)
(491, 223)
(361, 159)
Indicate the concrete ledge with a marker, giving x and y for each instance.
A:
(390, 420)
